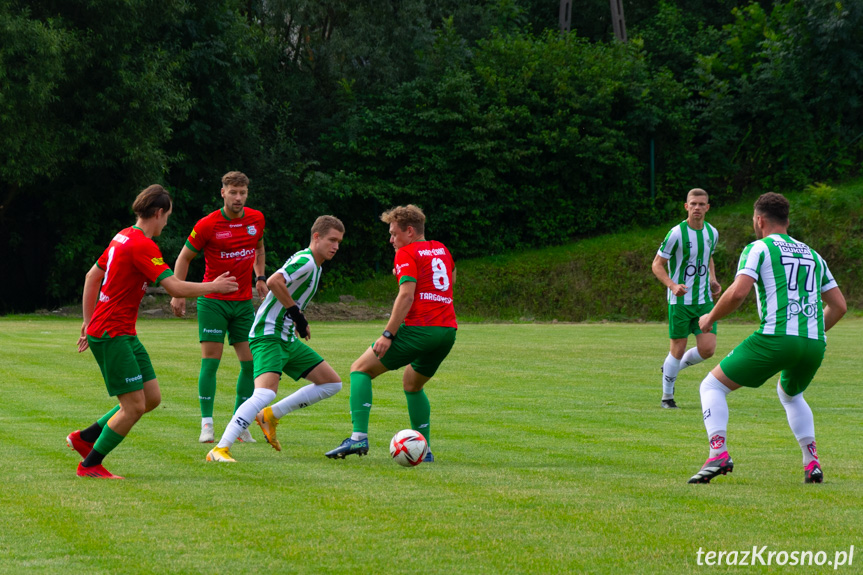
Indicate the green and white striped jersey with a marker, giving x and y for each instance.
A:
(302, 275)
(789, 280)
(688, 252)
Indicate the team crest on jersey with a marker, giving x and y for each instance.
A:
(158, 261)
(252, 230)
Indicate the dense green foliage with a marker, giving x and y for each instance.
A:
(609, 277)
(552, 456)
(510, 134)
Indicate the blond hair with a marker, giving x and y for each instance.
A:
(405, 216)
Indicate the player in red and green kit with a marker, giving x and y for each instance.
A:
(420, 333)
(113, 290)
(232, 240)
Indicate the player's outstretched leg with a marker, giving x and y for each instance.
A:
(304, 397)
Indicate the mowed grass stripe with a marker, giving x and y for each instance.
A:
(553, 456)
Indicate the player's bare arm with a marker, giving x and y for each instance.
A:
(659, 270)
(178, 288)
(88, 302)
(834, 307)
(715, 286)
(181, 270)
(260, 268)
(401, 307)
(277, 285)
(730, 301)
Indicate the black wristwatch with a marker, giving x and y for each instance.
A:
(388, 335)
(261, 279)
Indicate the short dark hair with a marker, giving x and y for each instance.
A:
(696, 192)
(151, 200)
(773, 206)
(326, 223)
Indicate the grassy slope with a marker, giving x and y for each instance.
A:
(553, 457)
(609, 278)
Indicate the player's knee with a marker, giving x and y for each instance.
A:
(707, 352)
(784, 398)
(132, 413)
(330, 389)
(152, 403)
(711, 383)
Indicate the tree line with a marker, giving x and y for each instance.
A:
(508, 132)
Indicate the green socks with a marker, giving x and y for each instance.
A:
(361, 405)
(245, 384)
(108, 440)
(420, 412)
(91, 434)
(361, 401)
(207, 385)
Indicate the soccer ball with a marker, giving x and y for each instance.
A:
(408, 447)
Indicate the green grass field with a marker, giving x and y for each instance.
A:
(553, 456)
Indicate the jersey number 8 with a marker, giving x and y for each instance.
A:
(440, 277)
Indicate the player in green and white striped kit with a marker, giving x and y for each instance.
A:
(798, 301)
(687, 252)
(276, 347)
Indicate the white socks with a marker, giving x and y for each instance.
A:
(715, 410)
(673, 366)
(669, 376)
(245, 415)
(690, 358)
(801, 421)
(305, 396)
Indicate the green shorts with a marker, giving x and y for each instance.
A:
(124, 362)
(424, 348)
(760, 356)
(216, 317)
(273, 354)
(683, 319)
